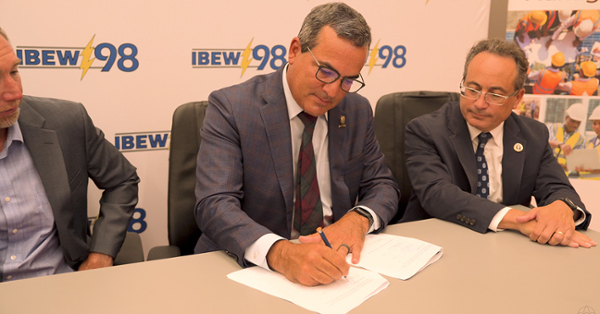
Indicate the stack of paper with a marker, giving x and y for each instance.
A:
(396, 256)
(390, 255)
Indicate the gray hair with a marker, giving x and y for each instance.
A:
(346, 22)
(501, 48)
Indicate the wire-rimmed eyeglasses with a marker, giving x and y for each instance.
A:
(490, 98)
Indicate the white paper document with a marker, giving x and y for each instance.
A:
(396, 256)
(584, 158)
(336, 298)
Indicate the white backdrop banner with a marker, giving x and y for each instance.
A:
(131, 63)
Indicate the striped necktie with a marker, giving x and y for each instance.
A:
(308, 213)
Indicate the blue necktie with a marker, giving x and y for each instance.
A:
(483, 180)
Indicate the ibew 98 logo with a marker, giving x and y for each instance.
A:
(104, 56)
(262, 56)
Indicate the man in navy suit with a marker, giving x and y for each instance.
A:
(250, 145)
(517, 160)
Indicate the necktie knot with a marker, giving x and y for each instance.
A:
(484, 138)
(308, 120)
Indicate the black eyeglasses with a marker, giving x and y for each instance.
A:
(328, 75)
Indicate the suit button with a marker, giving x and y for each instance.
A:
(458, 216)
(472, 222)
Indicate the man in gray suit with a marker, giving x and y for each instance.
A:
(48, 150)
(469, 161)
(247, 202)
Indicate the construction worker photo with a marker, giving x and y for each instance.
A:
(547, 80)
(584, 84)
(565, 137)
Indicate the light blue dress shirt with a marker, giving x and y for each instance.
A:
(29, 244)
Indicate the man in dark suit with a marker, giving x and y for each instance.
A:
(458, 177)
(251, 138)
(48, 150)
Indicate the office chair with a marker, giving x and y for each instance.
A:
(185, 142)
(131, 250)
(392, 113)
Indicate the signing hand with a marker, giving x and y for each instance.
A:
(350, 230)
(308, 264)
(96, 260)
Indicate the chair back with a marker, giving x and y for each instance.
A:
(392, 114)
(185, 142)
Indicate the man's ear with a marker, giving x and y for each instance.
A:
(295, 50)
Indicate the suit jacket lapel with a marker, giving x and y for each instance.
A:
(337, 151)
(461, 140)
(513, 160)
(47, 156)
(274, 115)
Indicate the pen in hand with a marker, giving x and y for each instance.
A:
(324, 238)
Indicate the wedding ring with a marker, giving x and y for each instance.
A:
(560, 232)
(346, 246)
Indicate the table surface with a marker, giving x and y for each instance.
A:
(479, 273)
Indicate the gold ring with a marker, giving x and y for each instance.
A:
(560, 232)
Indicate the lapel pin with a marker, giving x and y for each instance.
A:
(342, 122)
(518, 147)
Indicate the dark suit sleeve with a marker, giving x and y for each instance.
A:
(552, 184)
(113, 173)
(378, 189)
(438, 179)
(219, 188)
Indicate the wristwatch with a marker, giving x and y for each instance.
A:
(364, 213)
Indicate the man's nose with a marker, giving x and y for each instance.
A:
(332, 89)
(10, 89)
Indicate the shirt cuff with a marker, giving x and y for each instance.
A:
(257, 252)
(497, 219)
(376, 220)
(582, 218)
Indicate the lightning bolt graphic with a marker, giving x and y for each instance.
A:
(246, 58)
(86, 62)
(374, 57)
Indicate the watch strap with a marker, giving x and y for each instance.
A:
(364, 213)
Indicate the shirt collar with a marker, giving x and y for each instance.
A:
(497, 132)
(293, 108)
(13, 135)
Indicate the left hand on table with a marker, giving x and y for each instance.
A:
(555, 224)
